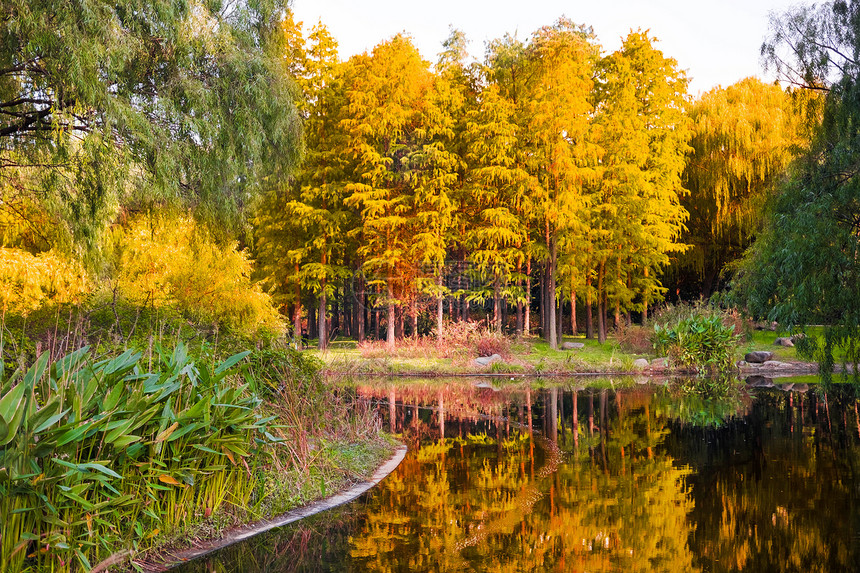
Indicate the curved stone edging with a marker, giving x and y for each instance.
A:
(245, 532)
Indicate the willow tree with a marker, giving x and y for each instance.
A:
(105, 105)
(637, 212)
(400, 172)
(558, 105)
(803, 268)
(744, 138)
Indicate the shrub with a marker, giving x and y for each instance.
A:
(699, 342)
(634, 338)
(489, 343)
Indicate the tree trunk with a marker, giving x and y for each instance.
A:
(439, 309)
(297, 324)
(551, 312)
(297, 315)
(414, 313)
(398, 329)
(313, 323)
(519, 328)
(361, 306)
(391, 318)
(601, 304)
(573, 326)
(589, 305)
(323, 340)
(497, 306)
(527, 327)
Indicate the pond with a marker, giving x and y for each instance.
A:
(551, 478)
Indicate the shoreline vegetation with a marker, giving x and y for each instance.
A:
(185, 433)
(105, 462)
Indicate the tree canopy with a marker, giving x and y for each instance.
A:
(804, 267)
(121, 105)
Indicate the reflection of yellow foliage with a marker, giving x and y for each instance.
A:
(173, 265)
(29, 281)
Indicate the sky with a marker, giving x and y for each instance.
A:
(716, 42)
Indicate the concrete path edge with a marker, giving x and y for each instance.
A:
(244, 532)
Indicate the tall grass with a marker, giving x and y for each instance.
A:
(101, 457)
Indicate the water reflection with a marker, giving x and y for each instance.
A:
(522, 478)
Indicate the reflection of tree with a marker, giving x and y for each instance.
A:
(625, 507)
(614, 482)
(774, 491)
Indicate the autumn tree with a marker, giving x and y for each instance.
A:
(558, 106)
(637, 216)
(400, 173)
(498, 188)
(506, 66)
(803, 268)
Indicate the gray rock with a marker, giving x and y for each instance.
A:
(786, 387)
(758, 356)
(782, 341)
(801, 388)
(660, 362)
(641, 363)
(572, 345)
(487, 360)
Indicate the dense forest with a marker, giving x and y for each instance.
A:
(551, 177)
(223, 165)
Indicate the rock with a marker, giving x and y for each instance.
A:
(487, 360)
(759, 382)
(660, 362)
(641, 363)
(758, 356)
(782, 341)
(772, 364)
(572, 345)
(786, 387)
(801, 388)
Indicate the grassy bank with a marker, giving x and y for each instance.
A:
(527, 356)
(102, 460)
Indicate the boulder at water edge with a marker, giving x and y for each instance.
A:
(641, 363)
(758, 357)
(487, 360)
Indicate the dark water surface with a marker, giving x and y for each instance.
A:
(554, 479)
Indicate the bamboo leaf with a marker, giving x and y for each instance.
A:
(166, 433)
(230, 362)
(50, 421)
(170, 480)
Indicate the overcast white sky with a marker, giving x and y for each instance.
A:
(716, 41)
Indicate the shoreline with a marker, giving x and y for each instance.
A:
(775, 369)
(167, 559)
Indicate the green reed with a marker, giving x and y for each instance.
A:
(102, 457)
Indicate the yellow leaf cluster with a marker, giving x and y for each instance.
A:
(29, 281)
(175, 265)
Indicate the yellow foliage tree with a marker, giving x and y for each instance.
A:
(175, 265)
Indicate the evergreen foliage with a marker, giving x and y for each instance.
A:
(804, 268)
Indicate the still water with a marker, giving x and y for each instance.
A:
(527, 478)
